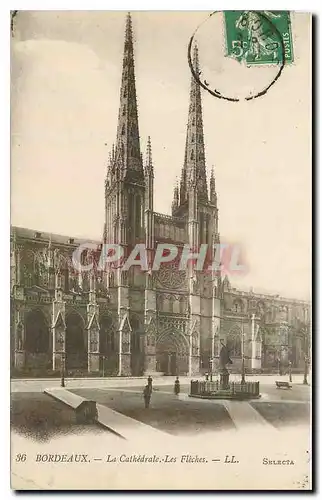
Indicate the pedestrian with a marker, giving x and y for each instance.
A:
(177, 386)
(147, 395)
(207, 376)
(150, 382)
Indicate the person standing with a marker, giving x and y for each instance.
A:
(147, 395)
(290, 370)
(177, 386)
(150, 382)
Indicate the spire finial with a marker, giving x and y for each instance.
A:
(175, 202)
(213, 194)
(148, 159)
(195, 57)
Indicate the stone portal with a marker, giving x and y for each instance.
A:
(172, 353)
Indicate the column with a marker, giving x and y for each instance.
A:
(256, 360)
(19, 340)
(150, 326)
(124, 332)
(58, 326)
(93, 330)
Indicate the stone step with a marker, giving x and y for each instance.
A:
(121, 425)
(85, 410)
(126, 427)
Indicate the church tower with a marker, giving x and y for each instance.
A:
(193, 198)
(201, 213)
(125, 186)
(125, 203)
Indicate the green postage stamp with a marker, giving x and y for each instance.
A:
(257, 37)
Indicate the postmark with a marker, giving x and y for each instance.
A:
(250, 37)
(242, 53)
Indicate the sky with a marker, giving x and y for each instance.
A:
(65, 80)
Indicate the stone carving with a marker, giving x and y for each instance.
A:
(151, 331)
(170, 277)
(124, 277)
(20, 336)
(126, 335)
(60, 338)
(195, 343)
(195, 284)
(169, 323)
(94, 343)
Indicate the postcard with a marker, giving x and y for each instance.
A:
(160, 269)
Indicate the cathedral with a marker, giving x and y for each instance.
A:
(168, 321)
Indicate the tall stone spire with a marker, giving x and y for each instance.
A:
(127, 152)
(194, 168)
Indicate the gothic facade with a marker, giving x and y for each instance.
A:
(133, 322)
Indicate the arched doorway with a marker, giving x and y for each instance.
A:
(108, 346)
(76, 342)
(234, 342)
(37, 342)
(172, 353)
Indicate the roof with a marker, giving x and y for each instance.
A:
(43, 236)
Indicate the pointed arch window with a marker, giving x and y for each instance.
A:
(201, 227)
(125, 92)
(124, 110)
(138, 216)
(192, 155)
(207, 228)
(193, 121)
(123, 129)
(234, 345)
(238, 306)
(193, 138)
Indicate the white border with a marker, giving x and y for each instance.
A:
(6, 6)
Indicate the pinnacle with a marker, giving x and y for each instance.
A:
(148, 160)
(195, 57)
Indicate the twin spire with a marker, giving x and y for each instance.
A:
(194, 168)
(127, 151)
(127, 154)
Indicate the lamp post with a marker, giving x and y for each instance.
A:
(306, 347)
(103, 371)
(305, 336)
(212, 356)
(305, 382)
(243, 381)
(62, 370)
(290, 370)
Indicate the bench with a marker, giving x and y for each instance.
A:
(283, 385)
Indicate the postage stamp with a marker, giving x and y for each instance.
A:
(263, 37)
